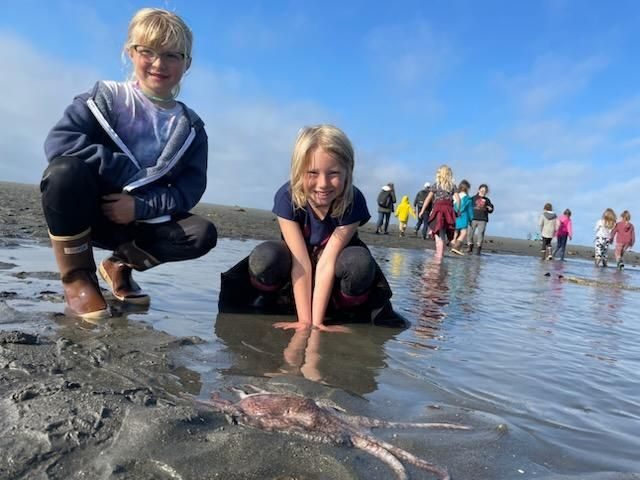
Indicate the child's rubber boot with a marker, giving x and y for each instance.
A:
(74, 256)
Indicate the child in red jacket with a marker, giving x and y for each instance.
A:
(625, 236)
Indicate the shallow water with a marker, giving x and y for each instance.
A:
(508, 336)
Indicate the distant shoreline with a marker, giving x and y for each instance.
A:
(21, 218)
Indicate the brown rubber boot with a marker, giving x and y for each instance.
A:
(74, 256)
(117, 274)
(116, 271)
(135, 257)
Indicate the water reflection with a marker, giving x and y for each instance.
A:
(433, 298)
(349, 361)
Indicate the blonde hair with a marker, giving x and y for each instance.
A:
(332, 140)
(159, 29)
(626, 216)
(444, 178)
(609, 217)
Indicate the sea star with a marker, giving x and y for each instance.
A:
(315, 421)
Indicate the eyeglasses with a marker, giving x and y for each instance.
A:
(150, 55)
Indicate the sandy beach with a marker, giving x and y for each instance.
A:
(81, 401)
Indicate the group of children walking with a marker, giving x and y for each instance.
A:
(448, 213)
(607, 231)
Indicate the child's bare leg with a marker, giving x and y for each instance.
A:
(440, 244)
(461, 237)
(456, 235)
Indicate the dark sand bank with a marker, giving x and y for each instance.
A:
(21, 217)
(108, 402)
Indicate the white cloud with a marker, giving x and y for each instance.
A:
(249, 31)
(409, 54)
(552, 80)
(556, 138)
(409, 60)
(36, 89)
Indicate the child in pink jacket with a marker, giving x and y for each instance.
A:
(625, 237)
(564, 232)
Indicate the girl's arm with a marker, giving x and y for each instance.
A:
(325, 272)
(426, 203)
(300, 274)
(570, 229)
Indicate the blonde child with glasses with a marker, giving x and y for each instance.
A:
(127, 162)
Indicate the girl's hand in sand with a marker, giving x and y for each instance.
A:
(292, 326)
(333, 328)
(119, 208)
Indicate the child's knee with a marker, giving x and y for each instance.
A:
(356, 269)
(66, 174)
(270, 265)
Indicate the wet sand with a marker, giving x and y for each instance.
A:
(108, 401)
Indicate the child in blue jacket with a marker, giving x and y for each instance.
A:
(464, 212)
(127, 162)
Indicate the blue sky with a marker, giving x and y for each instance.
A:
(541, 100)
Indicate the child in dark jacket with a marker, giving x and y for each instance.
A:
(482, 207)
(624, 235)
(126, 164)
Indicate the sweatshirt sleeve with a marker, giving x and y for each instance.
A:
(570, 228)
(76, 135)
(633, 236)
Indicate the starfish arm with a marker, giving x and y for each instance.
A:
(368, 422)
(373, 447)
(438, 471)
